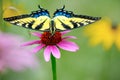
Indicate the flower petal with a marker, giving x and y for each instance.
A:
(65, 32)
(67, 37)
(38, 48)
(36, 34)
(47, 53)
(67, 45)
(31, 43)
(55, 51)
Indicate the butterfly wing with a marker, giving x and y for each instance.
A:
(37, 20)
(66, 20)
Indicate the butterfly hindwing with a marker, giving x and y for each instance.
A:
(37, 20)
(62, 23)
(66, 20)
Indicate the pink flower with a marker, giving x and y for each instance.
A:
(52, 44)
(14, 57)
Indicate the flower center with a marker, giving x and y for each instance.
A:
(114, 27)
(48, 39)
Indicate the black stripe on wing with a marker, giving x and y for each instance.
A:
(40, 25)
(87, 17)
(16, 17)
(64, 25)
(75, 24)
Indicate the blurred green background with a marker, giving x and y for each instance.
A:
(89, 63)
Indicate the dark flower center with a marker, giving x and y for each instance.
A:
(114, 27)
(49, 39)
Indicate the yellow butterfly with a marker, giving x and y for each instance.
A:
(62, 20)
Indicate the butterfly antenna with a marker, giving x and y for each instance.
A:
(39, 7)
(63, 7)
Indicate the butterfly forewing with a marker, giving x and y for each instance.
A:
(66, 20)
(80, 20)
(37, 20)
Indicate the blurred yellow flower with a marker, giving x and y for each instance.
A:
(11, 9)
(105, 33)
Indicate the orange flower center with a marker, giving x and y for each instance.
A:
(48, 39)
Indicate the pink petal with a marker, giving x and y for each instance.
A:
(38, 48)
(47, 53)
(67, 45)
(65, 32)
(55, 51)
(72, 37)
(31, 43)
(36, 34)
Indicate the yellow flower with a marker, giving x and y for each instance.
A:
(103, 32)
(10, 9)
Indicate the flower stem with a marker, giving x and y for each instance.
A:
(1, 76)
(53, 62)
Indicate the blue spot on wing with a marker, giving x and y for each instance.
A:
(35, 15)
(63, 13)
(40, 13)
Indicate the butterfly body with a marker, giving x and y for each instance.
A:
(62, 20)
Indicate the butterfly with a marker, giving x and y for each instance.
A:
(62, 20)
